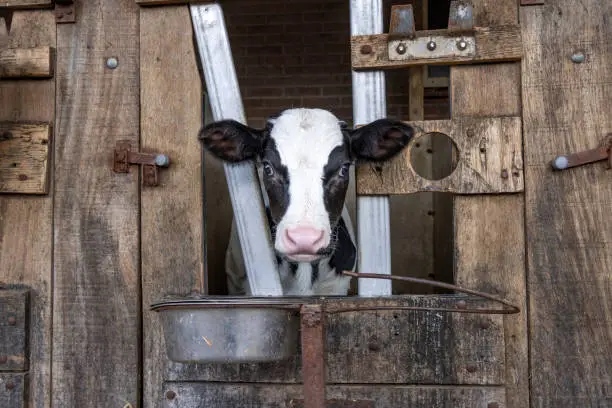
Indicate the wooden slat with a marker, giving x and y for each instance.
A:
(191, 395)
(387, 347)
(26, 62)
(25, 4)
(493, 44)
(13, 390)
(162, 2)
(489, 230)
(171, 116)
(490, 160)
(24, 157)
(14, 330)
(566, 108)
(26, 224)
(96, 310)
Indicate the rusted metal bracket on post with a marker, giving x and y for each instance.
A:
(64, 11)
(124, 156)
(461, 42)
(603, 152)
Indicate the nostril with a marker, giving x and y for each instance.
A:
(288, 237)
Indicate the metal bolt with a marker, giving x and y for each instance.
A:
(484, 324)
(12, 321)
(401, 48)
(3, 359)
(578, 57)
(462, 45)
(461, 304)
(431, 45)
(10, 386)
(504, 174)
(162, 160)
(22, 177)
(112, 63)
(471, 368)
(365, 49)
(170, 395)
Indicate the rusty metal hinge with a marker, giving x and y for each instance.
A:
(603, 152)
(124, 156)
(64, 11)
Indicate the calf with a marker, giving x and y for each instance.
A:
(305, 155)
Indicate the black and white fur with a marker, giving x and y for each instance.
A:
(305, 156)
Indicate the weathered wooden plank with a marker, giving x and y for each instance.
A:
(96, 323)
(203, 395)
(13, 390)
(26, 224)
(388, 347)
(171, 104)
(26, 62)
(489, 230)
(24, 157)
(14, 330)
(493, 44)
(162, 2)
(25, 4)
(490, 160)
(566, 108)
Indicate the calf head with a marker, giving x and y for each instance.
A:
(306, 155)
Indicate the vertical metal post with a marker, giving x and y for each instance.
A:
(313, 355)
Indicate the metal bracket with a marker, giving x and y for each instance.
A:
(65, 11)
(603, 152)
(124, 156)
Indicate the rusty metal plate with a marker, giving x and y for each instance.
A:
(13, 330)
(13, 388)
(431, 47)
(489, 160)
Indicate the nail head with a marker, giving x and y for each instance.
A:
(578, 57)
(170, 395)
(461, 45)
(401, 48)
(366, 49)
(112, 63)
(431, 45)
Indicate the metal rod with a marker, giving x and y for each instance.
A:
(313, 355)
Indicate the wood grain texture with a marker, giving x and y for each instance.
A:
(26, 63)
(13, 390)
(204, 395)
(489, 230)
(162, 2)
(25, 4)
(490, 160)
(566, 108)
(26, 234)
(493, 44)
(96, 309)
(14, 329)
(171, 116)
(24, 157)
(401, 347)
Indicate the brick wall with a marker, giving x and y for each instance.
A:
(296, 53)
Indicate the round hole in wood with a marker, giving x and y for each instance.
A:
(434, 156)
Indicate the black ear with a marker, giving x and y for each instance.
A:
(380, 140)
(232, 141)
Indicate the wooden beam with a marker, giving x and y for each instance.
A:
(490, 160)
(14, 390)
(14, 330)
(26, 231)
(24, 157)
(489, 230)
(26, 4)
(566, 109)
(493, 44)
(26, 63)
(97, 305)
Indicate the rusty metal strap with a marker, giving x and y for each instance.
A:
(460, 308)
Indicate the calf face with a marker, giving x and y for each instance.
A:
(306, 155)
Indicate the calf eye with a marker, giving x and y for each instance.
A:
(268, 170)
(344, 170)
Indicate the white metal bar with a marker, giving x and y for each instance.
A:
(245, 193)
(369, 104)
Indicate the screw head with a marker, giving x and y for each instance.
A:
(461, 304)
(170, 395)
(112, 63)
(461, 45)
(578, 58)
(365, 49)
(162, 160)
(401, 48)
(12, 321)
(431, 45)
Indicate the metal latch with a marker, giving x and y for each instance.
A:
(124, 156)
(603, 152)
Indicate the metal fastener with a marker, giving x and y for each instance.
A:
(431, 45)
(162, 160)
(12, 321)
(504, 174)
(461, 304)
(10, 386)
(112, 63)
(401, 48)
(461, 45)
(471, 368)
(484, 324)
(170, 395)
(365, 49)
(578, 57)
